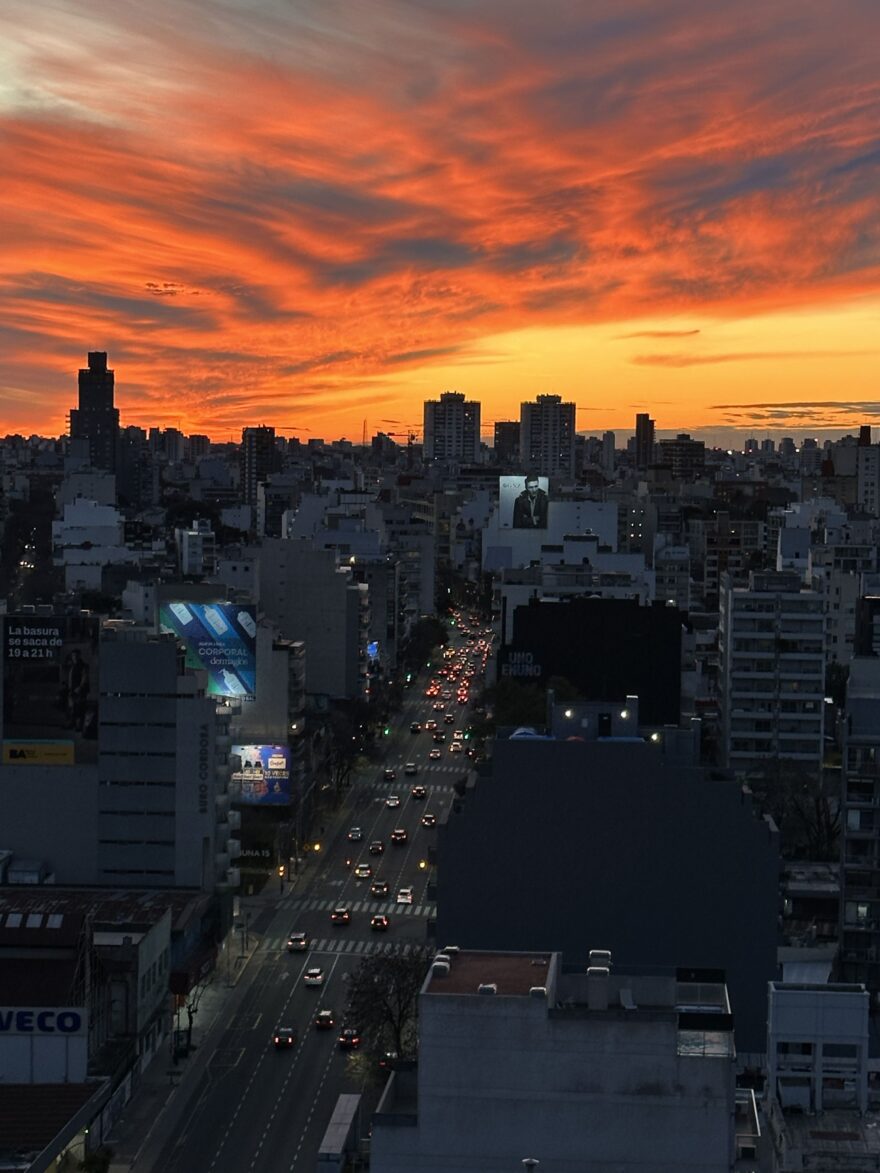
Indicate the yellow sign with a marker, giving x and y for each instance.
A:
(38, 753)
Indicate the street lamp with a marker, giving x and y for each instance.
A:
(531, 1162)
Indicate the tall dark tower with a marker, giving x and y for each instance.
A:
(96, 420)
(259, 457)
(644, 440)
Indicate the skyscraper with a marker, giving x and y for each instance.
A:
(452, 428)
(547, 432)
(506, 441)
(258, 459)
(96, 420)
(644, 440)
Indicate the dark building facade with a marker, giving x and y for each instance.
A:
(259, 457)
(569, 844)
(95, 419)
(644, 440)
(608, 648)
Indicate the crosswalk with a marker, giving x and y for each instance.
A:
(373, 907)
(346, 945)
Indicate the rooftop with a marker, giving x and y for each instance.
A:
(106, 906)
(513, 974)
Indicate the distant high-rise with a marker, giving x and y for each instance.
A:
(258, 458)
(96, 420)
(644, 440)
(507, 441)
(547, 432)
(452, 428)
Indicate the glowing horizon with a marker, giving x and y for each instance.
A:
(310, 215)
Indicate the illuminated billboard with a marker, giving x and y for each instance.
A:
(523, 501)
(221, 638)
(260, 774)
(50, 690)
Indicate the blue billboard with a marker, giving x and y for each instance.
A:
(221, 638)
(260, 774)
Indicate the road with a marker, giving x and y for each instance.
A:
(267, 1110)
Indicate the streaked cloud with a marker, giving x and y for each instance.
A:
(264, 205)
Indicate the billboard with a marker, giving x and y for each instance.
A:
(221, 638)
(50, 690)
(260, 775)
(523, 501)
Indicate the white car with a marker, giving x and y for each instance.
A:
(405, 896)
(313, 977)
(456, 747)
(393, 800)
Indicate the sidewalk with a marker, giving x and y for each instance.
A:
(166, 1089)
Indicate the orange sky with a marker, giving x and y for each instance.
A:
(314, 213)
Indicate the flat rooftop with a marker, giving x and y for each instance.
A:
(514, 974)
(107, 906)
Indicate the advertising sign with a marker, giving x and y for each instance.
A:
(260, 774)
(220, 638)
(50, 690)
(33, 1020)
(523, 501)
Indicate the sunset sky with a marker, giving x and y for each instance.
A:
(315, 213)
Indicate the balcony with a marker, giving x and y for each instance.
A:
(233, 848)
(234, 820)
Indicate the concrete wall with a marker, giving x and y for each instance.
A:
(568, 845)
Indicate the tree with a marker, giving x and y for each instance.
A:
(808, 817)
(191, 1005)
(383, 999)
(425, 635)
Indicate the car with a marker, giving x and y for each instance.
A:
(449, 718)
(386, 1061)
(325, 1020)
(456, 747)
(284, 1038)
(349, 1039)
(429, 820)
(379, 888)
(377, 847)
(458, 735)
(363, 871)
(379, 924)
(431, 725)
(410, 769)
(439, 737)
(435, 754)
(297, 943)
(393, 800)
(438, 706)
(418, 792)
(313, 977)
(340, 915)
(388, 774)
(398, 836)
(355, 835)
(415, 727)
(405, 896)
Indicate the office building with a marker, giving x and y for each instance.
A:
(95, 420)
(647, 858)
(310, 597)
(598, 1069)
(771, 672)
(507, 442)
(259, 457)
(452, 428)
(860, 828)
(644, 441)
(684, 456)
(547, 437)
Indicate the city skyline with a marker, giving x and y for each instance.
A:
(312, 217)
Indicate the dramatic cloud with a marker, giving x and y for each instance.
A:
(265, 205)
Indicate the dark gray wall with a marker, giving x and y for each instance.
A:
(589, 845)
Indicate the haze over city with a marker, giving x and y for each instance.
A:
(319, 215)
